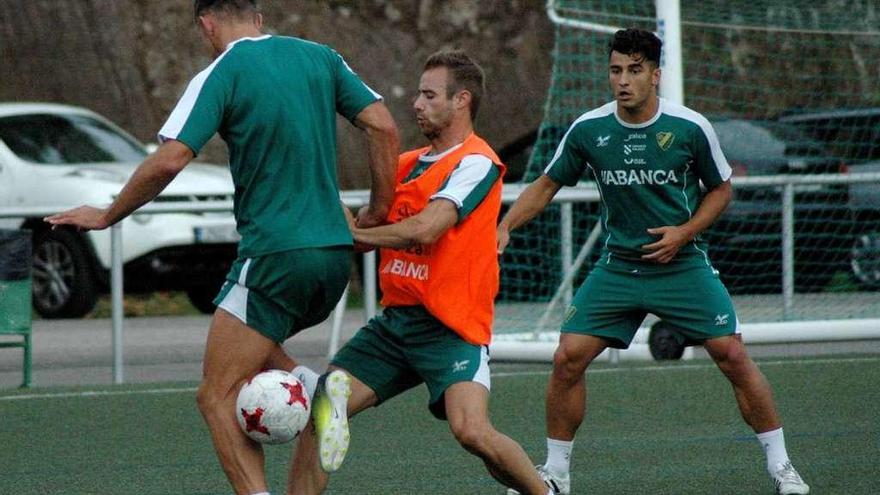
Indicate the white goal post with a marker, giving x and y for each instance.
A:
(668, 30)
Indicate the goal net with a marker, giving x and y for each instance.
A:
(791, 88)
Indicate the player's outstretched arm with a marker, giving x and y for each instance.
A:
(384, 143)
(425, 228)
(146, 183)
(529, 204)
(674, 237)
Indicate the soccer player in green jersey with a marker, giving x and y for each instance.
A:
(274, 101)
(648, 157)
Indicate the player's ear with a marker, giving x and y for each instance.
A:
(258, 21)
(206, 24)
(655, 76)
(463, 99)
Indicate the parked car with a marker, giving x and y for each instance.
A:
(746, 241)
(58, 155)
(854, 136)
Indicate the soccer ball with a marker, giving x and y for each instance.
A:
(272, 407)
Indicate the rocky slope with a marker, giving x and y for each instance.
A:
(131, 59)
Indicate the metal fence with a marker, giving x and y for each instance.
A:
(356, 198)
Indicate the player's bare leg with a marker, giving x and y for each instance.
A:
(467, 411)
(279, 360)
(567, 389)
(306, 476)
(753, 393)
(234, 353)
(755, 400)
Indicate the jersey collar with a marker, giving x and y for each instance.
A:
(427, 157)
(653, 119)
(248, 38)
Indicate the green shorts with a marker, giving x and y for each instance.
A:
(280, 294)
(406, 346)
(613, 302)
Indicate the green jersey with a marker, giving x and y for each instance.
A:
(274, 101)
(648, 174)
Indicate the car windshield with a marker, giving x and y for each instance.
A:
(745, 140)
(70, 138)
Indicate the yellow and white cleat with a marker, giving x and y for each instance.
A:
(330, 415)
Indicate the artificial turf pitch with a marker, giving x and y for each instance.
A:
(659, 429)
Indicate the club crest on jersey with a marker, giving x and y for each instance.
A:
(665, 139)
(602, 141)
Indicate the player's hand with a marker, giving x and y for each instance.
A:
(84, 217)
(352, 223)
(503, 239)
(671, 241)
(359, 247)
(366, 218)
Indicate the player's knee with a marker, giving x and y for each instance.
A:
(473, 436)
(207, 400)
(568, 365)
(732, 358)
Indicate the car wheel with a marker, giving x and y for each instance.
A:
(665, 341)
(865, 260)
(202, 298)
(63, 275)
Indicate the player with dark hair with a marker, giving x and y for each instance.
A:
(439, 277)
(648, 157)
(274, 101)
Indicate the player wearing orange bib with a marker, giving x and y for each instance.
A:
(439, 277)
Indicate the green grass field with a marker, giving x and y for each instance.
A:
(670, 429)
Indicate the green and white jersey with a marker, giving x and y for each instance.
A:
(274, 101)
(648, 174)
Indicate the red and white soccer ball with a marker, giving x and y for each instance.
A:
(272, 407)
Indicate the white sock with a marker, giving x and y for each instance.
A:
(308, 377)
(262, 493)
(558, 457)
(774, 446)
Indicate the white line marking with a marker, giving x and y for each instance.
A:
(99, 393)
(176, 390)
(710, 365)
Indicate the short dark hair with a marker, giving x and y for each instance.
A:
(636, 42)
(465, 73)
(235, 8)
